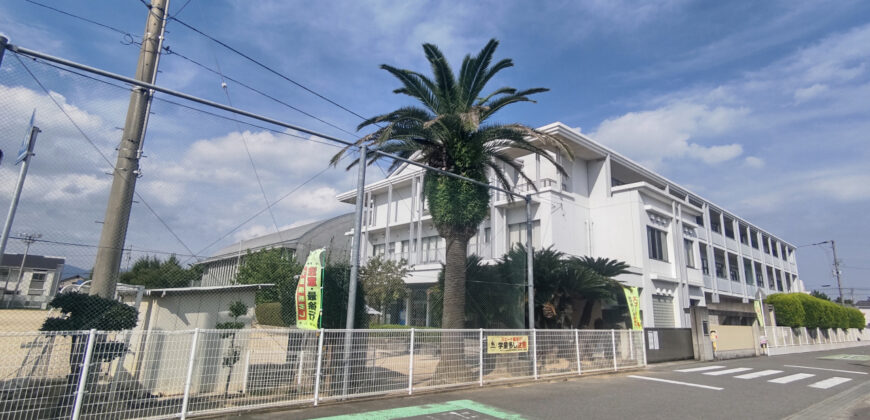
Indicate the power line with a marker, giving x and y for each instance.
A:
(170, 51)
(111, 28)
(94, 145)
(267, 68)
(83, 245)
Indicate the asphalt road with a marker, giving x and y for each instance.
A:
(798, 386)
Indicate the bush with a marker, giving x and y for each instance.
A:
(269, 314)
(789, 310)
(803, 310)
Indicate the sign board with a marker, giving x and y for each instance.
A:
(498, 344)
(309, 292)
(758, 312)
(631, 296)
(26, 148)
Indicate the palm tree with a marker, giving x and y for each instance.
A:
(449, 130)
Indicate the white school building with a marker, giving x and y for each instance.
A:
(683, 250)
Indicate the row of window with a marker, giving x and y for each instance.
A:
(777, 279)
(747, 235)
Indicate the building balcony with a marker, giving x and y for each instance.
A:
(500, 198)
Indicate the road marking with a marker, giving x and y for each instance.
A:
(830, 370)
(698, 369)
(830, 382)
(858, 357)
(791, 378)
(449, 409)
(758, 374)
(727, 371)
(715, 388)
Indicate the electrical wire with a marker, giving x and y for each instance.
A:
(82, 245)
(94, 145)
(111, 28)
(265, 67)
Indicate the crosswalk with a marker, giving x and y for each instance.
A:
(772, 376)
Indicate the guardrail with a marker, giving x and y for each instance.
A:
(170, 374)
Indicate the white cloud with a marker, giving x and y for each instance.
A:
(807, 93)
(672, 132)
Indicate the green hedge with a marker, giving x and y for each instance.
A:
(802, 310)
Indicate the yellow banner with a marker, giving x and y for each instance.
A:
(758, 313)
(308, 292)
(631, 296)
(507, 344)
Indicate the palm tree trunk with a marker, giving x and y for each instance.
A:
(453, 316)
(451, 367)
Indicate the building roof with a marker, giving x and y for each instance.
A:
(863, 304)
(287, 238)
(39, 262)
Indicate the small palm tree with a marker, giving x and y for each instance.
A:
(450, 131)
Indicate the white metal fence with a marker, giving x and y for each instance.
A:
(784, 340)
(162, 374)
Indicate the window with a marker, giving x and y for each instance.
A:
(657, 240)
(744, 239)
(699, 220)
(729, 228)
(753, 237)
(487, 235)
(378, 250)
(690, 253)
(733, 269)
(747, 271)
(705, 264)
(715, 224)
(37, 284)
(765, 241)
(517, 234)
(433, 247)
(775, 248)
(719, 262)
(759, 275)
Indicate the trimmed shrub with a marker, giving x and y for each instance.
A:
(856, 319)
(789, 310)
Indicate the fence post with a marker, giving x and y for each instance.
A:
(480, 359)
(411, 365)
(577, 349)
(613, 347)
(83, 374)
(317, 371)
(535, 352)
(774, 337)
(189, 377)
(630, 344)
(643, 345)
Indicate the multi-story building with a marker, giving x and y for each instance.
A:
(683, 250)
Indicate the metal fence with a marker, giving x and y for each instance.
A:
(161, 374)
(791, 337)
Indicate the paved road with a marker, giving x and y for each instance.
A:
(798, 386)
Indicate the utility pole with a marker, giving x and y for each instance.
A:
(111, 247)
(24, 155)
(29, 239)
(837, 271)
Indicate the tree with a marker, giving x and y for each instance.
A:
(153, 273)
(820, 295)
(84, 312)
(233, 352)
(450, 131)
(276, 266)
(384, 282)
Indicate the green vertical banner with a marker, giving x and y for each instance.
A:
(758, 313)
(631, 295)
(309, 296)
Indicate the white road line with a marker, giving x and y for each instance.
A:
(758, 374)
(830, 370)
(830, 382)
(698, 369)
(727, 371)
(715, 388)
(791, 378)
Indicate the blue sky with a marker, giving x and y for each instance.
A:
(760, 107)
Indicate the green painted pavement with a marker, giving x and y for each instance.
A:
(431, 411)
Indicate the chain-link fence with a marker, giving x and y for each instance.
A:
(162, 374)
(215, 221)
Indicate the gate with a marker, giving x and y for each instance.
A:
(666, 344)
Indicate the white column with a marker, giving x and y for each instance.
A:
(83, 374)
